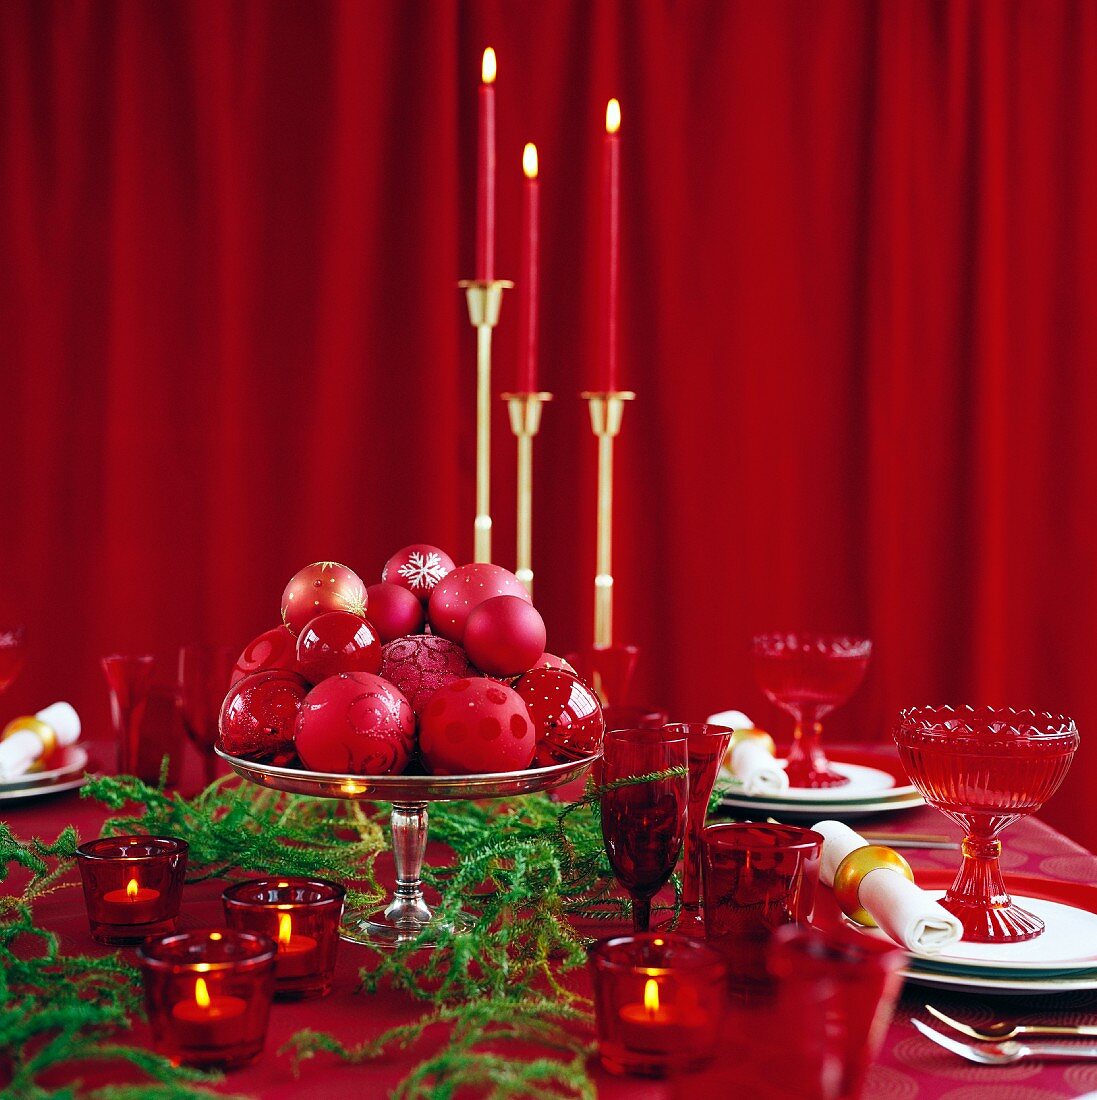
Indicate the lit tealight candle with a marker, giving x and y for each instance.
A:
(656, 1028)
(209, 1019)
(135, 904)
(296, 953)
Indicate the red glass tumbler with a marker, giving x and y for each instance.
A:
(659, 1001)
(132, 886)
(756, 878)
(643, 823)
(146, 717)
(208, 995)
(302, 917)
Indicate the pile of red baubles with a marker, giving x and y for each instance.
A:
(437, 668)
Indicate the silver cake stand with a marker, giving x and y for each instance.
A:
(408, 914)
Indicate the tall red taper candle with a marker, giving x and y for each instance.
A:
(485, 172)
(531, 257)
(611, 234)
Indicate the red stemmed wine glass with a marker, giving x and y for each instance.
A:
(204, 673)
(12, 655)
(985, 768)
(643, 824)
(705, 748)
(809, 675)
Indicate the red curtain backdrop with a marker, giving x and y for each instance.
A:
(859, 306)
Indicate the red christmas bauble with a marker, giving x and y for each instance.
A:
(422, 664)
(550, 660)
(418, 568)
(565, 712)
(259, 714)
(355, 723)
(463, 590)
(504, 635)
(322, 586)
(337, 641)
(272, 649)
(394, 611)
(473, 726)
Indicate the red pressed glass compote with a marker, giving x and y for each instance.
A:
(643, 824)
(985, 767)
(809, 675)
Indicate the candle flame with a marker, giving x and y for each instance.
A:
(651, 996)
(613, 116)
(529, 160)
(201, 993)
(285, 928)
(131, 889)
(488, 67)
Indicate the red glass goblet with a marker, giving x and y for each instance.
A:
(609, 669)
(985, 768)
(809, 675)
(705, 748)
(643, 824)
(204, 673)
(145, 714)
(12, 655)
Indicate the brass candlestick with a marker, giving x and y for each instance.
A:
(525, 422)
(606, 411)
(484, 297)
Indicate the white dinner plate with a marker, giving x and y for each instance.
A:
(1082, 980)
(41, 792)
(73, 759)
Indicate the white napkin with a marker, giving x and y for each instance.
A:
(906, 913)
(19, 752)
(749, 761)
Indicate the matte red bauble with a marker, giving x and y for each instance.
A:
(471, 727)
(337, 641)
(418, 568)
(394, 611)
(463, 590)
(565, 712)
(504, 636)
(550, 660)
(355, 723)
(272, 649)
(259, 714)
(422, 664)
(322, 586)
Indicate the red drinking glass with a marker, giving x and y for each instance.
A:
(643, 824)
(809, 675)
(609, 669)
(12, 655)
(145, 714)
(208, 995)
(757, 878)
(705, 748)
(204, 673)
(985, 768)
(659, 1001)
(132, 886)
(302, 917)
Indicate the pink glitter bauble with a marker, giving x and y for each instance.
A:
(422, 664)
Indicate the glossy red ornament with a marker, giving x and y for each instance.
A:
(566, 715)
(259, 713)
(458, 594)
(550, 660)
(337, 641)
(355, 723)
(394, 611)
(418, 568)
(322, 586)
(272, 649)
(504, 636)
(422, 664)
(476, 726)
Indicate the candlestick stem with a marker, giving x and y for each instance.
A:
(484, 298)
(607, 410)
(525, 422)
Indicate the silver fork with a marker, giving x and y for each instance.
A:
(1003, 1054)
(1000, 1030)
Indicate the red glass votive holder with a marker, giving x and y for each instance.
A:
(302, 917)
(659, 1001)
(208, 995)
(132, 886)
(756, 879)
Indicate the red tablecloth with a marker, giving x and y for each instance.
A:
(909, 1065)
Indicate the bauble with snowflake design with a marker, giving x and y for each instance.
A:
(462, 591)
(566, 715)
(322, 586)
(422, 664)
(275, 648)
(418, 568)
(337, 641)
(357, 724)
(476, 726)
(394, 611)
(504, 635)
(259, 715)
